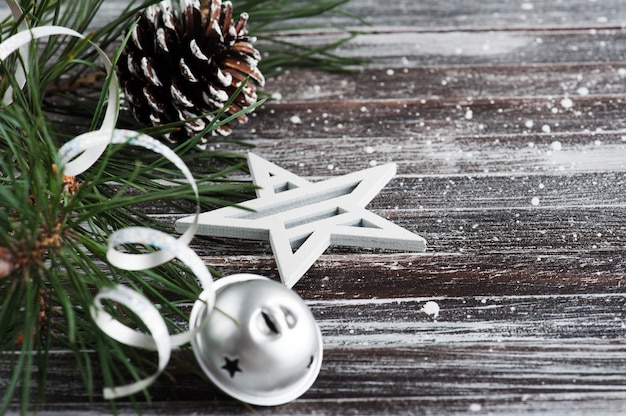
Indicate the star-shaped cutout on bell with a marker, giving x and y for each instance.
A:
(232, 366)
(301, 219)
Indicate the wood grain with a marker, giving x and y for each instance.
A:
(507, 122)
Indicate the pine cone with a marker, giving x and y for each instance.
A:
(183, 65)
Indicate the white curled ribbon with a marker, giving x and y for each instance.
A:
(163, 241)
(150, 316)
(78, 155)
(168, 248)
(160, 339)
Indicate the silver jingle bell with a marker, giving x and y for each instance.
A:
(261, 343)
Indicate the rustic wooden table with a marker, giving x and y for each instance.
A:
(507, 120)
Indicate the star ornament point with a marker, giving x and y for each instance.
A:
(301, 219)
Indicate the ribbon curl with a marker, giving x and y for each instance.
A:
(78, 155)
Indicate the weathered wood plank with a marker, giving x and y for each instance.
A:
(572, 236)
(433, 188)
(494, 373)
(437, 118)
(414, 49)
(510, 230)
(408, 15)
(555, 404)
(473, 44)
(497, 273)
(524, 153)
(465, 322)
(548, 80)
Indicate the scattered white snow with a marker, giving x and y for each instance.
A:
(556, 145)
(567, 103)
(431, 308)
(582, 91)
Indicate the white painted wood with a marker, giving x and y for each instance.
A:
(301, 219)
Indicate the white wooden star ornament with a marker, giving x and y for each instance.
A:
(301, 219)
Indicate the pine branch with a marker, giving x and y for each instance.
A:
(53, 242)
(54, 229)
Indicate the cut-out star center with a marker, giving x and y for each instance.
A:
(232, 366)
(301, 219)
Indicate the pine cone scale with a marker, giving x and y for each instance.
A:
(215, 10)
(154, 100)
(225, 78)
(149, 72)
(243, 69)
(247, 49)
(192, 21)
(197, 52)
(219, 95)
(227, 20)
(187, 72)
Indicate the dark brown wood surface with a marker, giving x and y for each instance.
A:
(507, 120)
